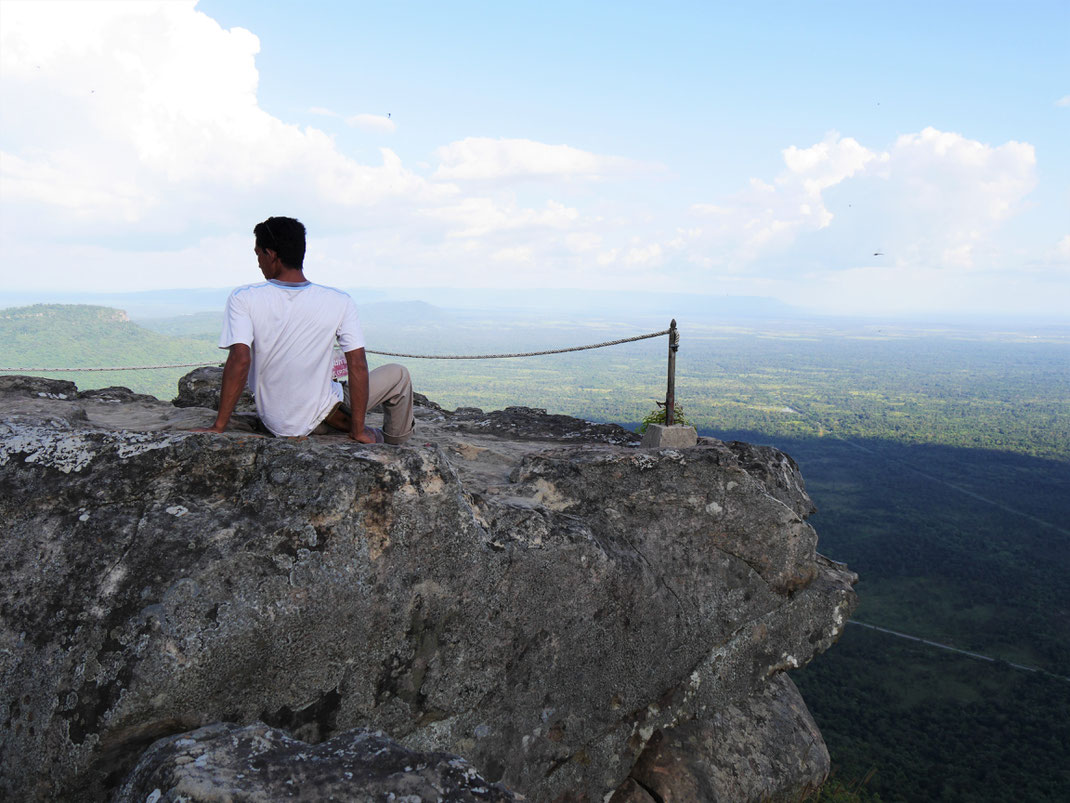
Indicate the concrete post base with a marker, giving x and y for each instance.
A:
(659, 436)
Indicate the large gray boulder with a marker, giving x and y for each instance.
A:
(201, 386)
(538, 596)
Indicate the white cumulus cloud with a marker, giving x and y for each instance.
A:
(140, 120)
(825, 164)
(767, 217)
(933, 198)
(946, 195)
(486, 158)
(147, 113)
(480, 216)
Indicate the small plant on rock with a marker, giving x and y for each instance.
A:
(657, 416)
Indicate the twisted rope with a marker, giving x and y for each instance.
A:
(518, 354)
(119, 368)
(380, 353)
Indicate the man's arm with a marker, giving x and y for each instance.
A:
(235, 375)
(357, 365)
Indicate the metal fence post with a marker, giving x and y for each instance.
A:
(670, 395)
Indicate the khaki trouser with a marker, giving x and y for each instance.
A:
(391, 386)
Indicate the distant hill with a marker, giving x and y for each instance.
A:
(387, 315)
(148, 303)
(74, 336)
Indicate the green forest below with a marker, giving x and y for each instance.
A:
(939, 460)
(77, 336)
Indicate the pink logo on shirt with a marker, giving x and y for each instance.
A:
(340, 370)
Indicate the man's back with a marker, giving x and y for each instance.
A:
(291, 329)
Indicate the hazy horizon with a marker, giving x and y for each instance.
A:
(147, 304)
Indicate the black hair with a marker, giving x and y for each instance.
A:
(285, 236)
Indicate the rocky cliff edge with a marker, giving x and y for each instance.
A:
(577, 617)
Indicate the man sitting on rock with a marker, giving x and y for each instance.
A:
(281, 336)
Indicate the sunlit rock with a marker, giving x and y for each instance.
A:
(531, 592)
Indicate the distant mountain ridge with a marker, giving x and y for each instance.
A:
(50, 311)
(586, 303)
(87, 336)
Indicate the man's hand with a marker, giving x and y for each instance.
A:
(235, 373)
(369, 435)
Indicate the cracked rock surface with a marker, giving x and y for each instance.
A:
(531, 592)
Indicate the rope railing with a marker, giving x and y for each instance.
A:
(670, 399)
(380, 353)
(521, 353)
(112, 368)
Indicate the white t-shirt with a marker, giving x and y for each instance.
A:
(291, 329)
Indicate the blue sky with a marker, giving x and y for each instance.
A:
(844, 157)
